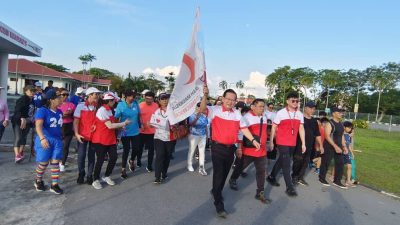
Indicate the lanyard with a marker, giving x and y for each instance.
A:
(291, 122)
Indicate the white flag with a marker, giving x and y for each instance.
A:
(190, 80)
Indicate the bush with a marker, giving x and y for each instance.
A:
(360, 124)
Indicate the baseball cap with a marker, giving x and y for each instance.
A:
(163, 95)
(108, 96)
(145, 91)
(51, 94)
(336, 109)
(310, 104)
(92, 90)
(79, 90)
(38, 84)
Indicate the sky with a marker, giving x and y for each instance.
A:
(243, 40)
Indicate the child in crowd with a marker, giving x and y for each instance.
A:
(349, 157)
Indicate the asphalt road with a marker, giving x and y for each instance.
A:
(183, 199)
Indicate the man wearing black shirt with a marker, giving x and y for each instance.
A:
(312, 134)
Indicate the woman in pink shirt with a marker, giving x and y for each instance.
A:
(4, 115)
(67, 109)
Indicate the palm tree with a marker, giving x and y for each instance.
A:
(90, 58)
(223, 85)
(329, 78)
(239, 85)
(171, 81)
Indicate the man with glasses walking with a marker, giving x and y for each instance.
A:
(286, 125)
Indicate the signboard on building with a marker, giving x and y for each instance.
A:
(17, 39)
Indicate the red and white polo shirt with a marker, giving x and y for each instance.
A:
(253, 123)
(86, 113)
(103, 135)
(225, 124)
(288, 126)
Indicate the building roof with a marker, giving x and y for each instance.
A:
(28, 67)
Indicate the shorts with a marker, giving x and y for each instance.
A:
(53, 152)
(347, 159)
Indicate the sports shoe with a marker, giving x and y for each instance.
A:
(39, 185)
(302, 182)
(202, 171)
(196, 156)
(261, 196)
(89, 180)
(80, 180)
(233, 184)
(62, 168)
(157, 181)
(123, 174)
(131, 165)
(316, 171)
(324, 182)
(349, 184)
(164, 177)
(56, 189)
(243, 174)
(19, 159)
(291, 192)
(97, 185)
(339, 184)
(149, 169)
(108, 180)
(138, 165)
(222, 214)
(272, 181)
(190, 168)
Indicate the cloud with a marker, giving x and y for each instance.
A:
(254, 85)
(162, 71)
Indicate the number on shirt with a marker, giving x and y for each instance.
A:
(54, 121)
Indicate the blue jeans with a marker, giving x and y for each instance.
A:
(82, 158)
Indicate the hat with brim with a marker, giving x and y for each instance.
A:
(92, 90)
(108, 96)
(164, 96)
(145, 91)
(79, 90)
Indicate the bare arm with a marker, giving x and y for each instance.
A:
(249, 136)
(203, 104)
(39, 131)
(111, 125)
(272, 136)
(344, 145)
(302, 138)
(328, 130)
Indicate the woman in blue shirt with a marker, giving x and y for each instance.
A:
(48, 142)
(197, 138)
(129, 110)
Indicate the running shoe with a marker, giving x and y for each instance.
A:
(324, 182)
(62, 168)
(19, 159)
(56, 189)
(149, 169)
(39, 185)
(222, 214)
(190, 168)
(138, 165)
(123, 174)
(233, 184)
(97, 185)
(302, 182)
(202, 171)
(157, 181)
(291, 192)
(108, 180)
(272, 181)
(261, 196)
(164, 177)
(131, 166)
(80, 180)
(349, 184)
(316, 171)
(339, 184)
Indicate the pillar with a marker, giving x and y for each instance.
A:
(3, 75)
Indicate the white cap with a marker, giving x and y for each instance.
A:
(92, 90)
(79, 90)
(38, 84)
(145, 91)
(108, 96)
(116, 96)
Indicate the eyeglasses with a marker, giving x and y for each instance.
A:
(232, 100)
(295, 101)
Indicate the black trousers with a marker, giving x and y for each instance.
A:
(326, 158)
(148, 141)
(300, 162)
(259, 163)
(20, 135)
(163, 156)
(283, 163)
(222, 158)
(68, 133)
(128, 143)
(101, 152)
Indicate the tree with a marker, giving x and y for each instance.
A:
(239, 85)
(356, 81)
(381, 78)
(171, 81)
(116, 83)
(59, 68)
(90, 58)
(329, 79)
(280, 82)
(223, 85)
(303, 78)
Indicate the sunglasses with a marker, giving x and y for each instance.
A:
(295, 101)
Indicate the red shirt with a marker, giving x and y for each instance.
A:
(103, 135)
(225, 124)
(86, 113)
(252, 122)
(288, 124)
(145, 114)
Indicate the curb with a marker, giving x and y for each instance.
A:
(381, 191)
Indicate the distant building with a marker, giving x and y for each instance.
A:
(22, 72)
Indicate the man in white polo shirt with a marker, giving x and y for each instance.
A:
(287, 124)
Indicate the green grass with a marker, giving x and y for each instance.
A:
(378, 165)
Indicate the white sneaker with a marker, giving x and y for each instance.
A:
(97, 185)
(203, 172)
(62, 168)
(108, 180)
(190, 168)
